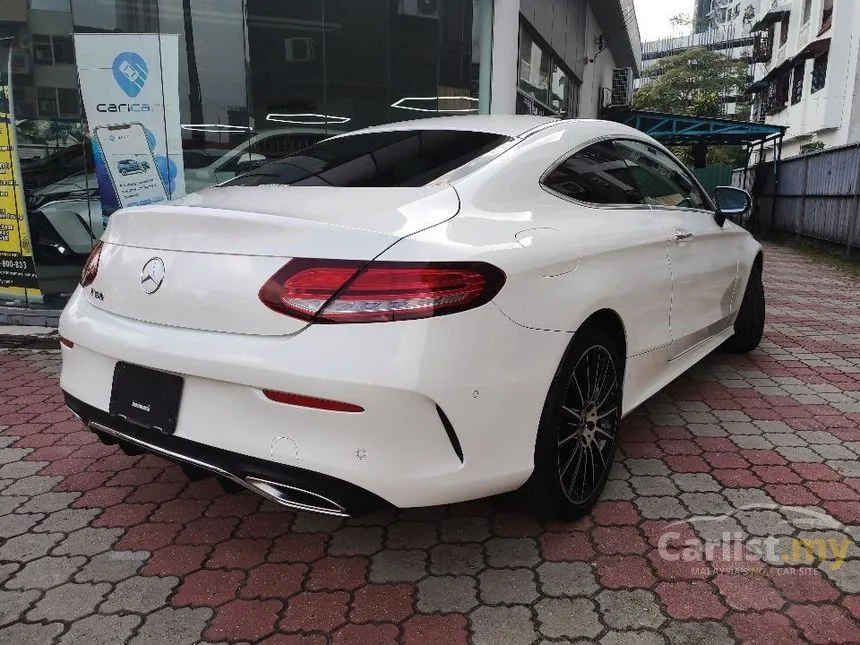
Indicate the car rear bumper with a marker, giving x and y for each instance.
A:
(451, 404)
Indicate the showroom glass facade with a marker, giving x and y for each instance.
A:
(257, 80)
(545, 87)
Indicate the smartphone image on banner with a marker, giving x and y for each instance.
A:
(130, 164)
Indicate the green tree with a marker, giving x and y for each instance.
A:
(695, 83)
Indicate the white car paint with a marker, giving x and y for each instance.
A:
(488, 368)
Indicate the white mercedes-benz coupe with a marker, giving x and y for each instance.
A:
(414, 314)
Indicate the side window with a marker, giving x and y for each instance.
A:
(661, 179)
(596, 174)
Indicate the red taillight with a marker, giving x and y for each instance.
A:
(67, 342)
(336, 291)
(91, 268)
(311, 402)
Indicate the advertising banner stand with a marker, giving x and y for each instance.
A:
(130, 91)
(18, 279)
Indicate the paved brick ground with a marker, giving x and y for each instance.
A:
(97, 547)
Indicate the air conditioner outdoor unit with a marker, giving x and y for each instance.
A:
(622, 86)
(300, 50)
(419, 8)
(605, 98)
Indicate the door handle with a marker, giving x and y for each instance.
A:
(682, 236)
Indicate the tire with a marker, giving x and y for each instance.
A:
(749, 325)
(576, 439)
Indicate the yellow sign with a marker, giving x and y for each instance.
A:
(17, 267)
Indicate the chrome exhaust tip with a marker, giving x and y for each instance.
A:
(296, 498)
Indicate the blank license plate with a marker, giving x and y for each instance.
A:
(146, 397)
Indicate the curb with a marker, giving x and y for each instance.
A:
(21, 316)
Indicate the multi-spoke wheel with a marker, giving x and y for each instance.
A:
(576, 438)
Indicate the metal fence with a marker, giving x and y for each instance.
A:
(815, 195)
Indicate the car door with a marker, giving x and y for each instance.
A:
(703, 256)
(624, 246)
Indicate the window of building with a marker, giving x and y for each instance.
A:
(64, 50)
(783, 29)
(597, 174)
(68, 102)
(807, 11)
(778, 92)
(546, 87)
(661, 180)
(46, 98)
(797, 76)
(379, 159)
(826, 15)
(42, 51)
(819, 73)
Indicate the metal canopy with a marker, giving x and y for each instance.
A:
(676, 129)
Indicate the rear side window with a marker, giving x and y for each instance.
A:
(662, 180)
(597, 175)
(382, 159)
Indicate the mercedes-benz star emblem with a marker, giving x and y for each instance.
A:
(152, 275)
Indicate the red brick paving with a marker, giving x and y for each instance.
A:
(256, 573)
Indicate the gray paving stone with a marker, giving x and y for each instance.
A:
(713, 531)
(464, 529)
(653, 508)
(398, 566)
(646, 467)
(19, 469)
(7, 571)
(512, 552)
(697, 633)
(629, 609)
(508, 625)
(740, 427)
(49, 502)
(743, 497)
(411, 535)
(706, 503)
(101, 630)
(566, 579)
(798, 454)
(68, 520)
(89, 541)
(8, 455)
(29, 546)
(846, 575)
(751, 442)
(738, 416)
(696, 482)
(652, 485)
(356, 540)
(175, 626)
(568, 618)
(507, 586)
(617, 489)
(456, 559)
(112, 566)
(775, 426)
(9, 503)
(640, 637)
(780, 439)
(32, 485)
(706, 429)
(27, 634)
(68, 602)
(832, 451)
(618, 470)
(817, 436)
(847, 468)
(18, 523)
(446, 594)
(13, 604)
(140, 595)
(763, 522)
(46, 572)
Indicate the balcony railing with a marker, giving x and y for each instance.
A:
(763, 47)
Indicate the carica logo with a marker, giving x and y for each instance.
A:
(130, 72)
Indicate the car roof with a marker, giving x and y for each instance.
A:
(510, 125)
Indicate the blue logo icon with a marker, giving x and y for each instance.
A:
(130, 72)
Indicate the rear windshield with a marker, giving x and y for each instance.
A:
(402, 158)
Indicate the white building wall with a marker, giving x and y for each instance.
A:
(597, 74)
(827, 115)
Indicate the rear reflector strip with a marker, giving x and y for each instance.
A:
(67, 342)
(311, 402)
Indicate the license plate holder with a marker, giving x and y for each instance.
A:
(146, 397)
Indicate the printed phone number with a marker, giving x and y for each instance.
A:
(13, 264)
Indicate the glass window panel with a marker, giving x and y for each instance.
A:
(534, 68)
(662, 181)
(597, 175)
(64, 50)
(42, 50)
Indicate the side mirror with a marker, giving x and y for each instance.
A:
(732, 203)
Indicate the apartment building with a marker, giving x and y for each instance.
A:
(806, 73)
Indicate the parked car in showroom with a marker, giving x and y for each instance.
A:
(414, 314)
